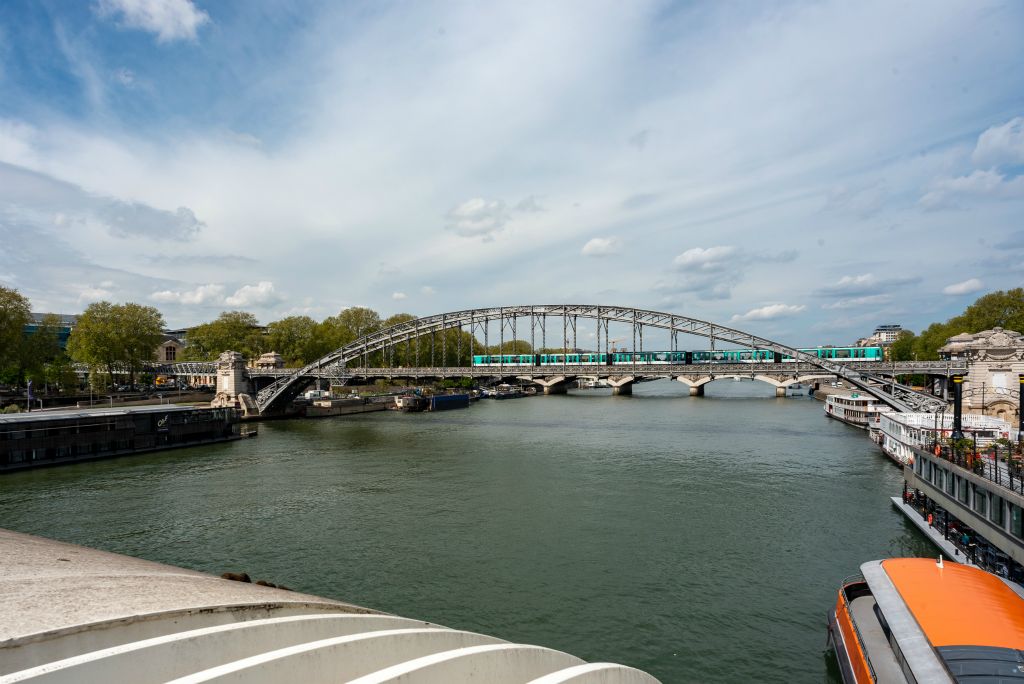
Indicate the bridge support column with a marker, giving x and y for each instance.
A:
(622, 386)
(696, 386)
(556, 385)
(231, 381)
(780, 391)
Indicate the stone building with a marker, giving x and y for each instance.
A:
(995, 360)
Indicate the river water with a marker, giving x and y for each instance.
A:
(700, 539)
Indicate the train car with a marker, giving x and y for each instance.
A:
(506, 360)
(733, 356)
(650, 358)
(847, 353)
(585, 359)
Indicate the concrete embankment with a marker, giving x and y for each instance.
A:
(77, 615)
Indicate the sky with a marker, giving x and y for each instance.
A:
(804, 171)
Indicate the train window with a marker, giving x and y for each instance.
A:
(842, 353)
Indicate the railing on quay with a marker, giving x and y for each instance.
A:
(985, 463)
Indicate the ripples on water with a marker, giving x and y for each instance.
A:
(701, 539)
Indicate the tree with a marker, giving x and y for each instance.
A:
(294, 338)
(141, 331)
(41, 348)
(1002, 309)
(232, 331)
(108, 335)
(96, 339)
(15, 314)
(902, 348)
(350, 324)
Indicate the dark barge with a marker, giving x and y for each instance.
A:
(31, 440)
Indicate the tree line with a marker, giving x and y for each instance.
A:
(122, 339)
(1001, 309)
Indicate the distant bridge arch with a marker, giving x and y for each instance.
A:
(566, 318)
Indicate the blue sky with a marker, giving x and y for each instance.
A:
(804, 171)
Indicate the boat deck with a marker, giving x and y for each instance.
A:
(887, 670)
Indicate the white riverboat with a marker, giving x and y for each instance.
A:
(898, 434)
(855, 409)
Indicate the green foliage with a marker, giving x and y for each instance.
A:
(1002, 309)
(294, 338)
(15, 314)
(902, 348)
(232, 331)
(12, 408)
(111, 335)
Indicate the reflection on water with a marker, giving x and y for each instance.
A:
(701, 539)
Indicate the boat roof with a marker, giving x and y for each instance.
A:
(951, 620)
(957, 605)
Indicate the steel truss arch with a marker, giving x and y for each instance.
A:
(901, 398)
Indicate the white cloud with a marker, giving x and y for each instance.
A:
(864, 284)
(769, 312)
(169, 19)
(125, 77)
(90, 293)
(602, 246)
(254, 295)
(398, 296)
(990, 183)
(856, 302)
(478, 218)
(709, 259)
(1001, 145)
(204, 294)
(428, 291)
(968, 286)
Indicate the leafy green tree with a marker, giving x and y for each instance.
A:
(232, 331)
(1003, 309)
(15, 314)
(96, 338)
(350, 324)
(41, 348)
(294, 338)
(902, 348)
(112, 335)
(141, 331)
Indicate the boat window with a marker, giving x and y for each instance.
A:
(964, 490)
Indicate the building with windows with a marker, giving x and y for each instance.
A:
(883, 336)
(67, 324)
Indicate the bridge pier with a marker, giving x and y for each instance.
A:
(696, 390)
(696, 386)
(556, 385)
(622, 387)
(780, 391)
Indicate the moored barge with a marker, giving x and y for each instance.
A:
(30, 440)
(854, 409)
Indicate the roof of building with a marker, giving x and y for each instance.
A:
(71, 414)
(957, 605)
(996, 338)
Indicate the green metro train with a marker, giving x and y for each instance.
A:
(841, 354)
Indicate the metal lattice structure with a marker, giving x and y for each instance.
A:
(565, 318)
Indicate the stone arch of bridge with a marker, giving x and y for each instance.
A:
(542, 316)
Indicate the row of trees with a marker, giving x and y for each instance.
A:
(1003, 309)
(122, 338)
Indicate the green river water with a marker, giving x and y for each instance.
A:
(700, 539)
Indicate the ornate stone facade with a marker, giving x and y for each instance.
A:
(231, 380)
(995, 358)
(269, 360)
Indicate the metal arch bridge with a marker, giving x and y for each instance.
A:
(566, 317)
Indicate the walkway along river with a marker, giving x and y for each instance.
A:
(700, 539)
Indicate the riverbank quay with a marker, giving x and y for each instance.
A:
(76, 614)
(935, 536)
(49, 438)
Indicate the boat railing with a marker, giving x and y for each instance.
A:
(857, 579)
